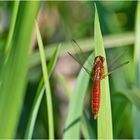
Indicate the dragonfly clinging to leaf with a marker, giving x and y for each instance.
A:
(96, 74)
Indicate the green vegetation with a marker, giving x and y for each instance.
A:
(44, 93)
(105, 117)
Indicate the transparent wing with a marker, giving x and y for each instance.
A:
(116, 68)
(88, 71)
(117, 58)
(77, 48)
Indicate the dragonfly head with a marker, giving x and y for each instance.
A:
(99, 59)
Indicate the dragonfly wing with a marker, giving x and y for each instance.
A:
(118, 57)
(89, 72)
(116, 68)
(76, 46)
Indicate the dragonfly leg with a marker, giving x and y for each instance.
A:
(103, 77)
(103, 73)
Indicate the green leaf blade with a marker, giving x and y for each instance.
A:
(110, 41)
(47, 85)
(105, 117)
(39, 95)
(136, 112)
(85, 124)
(12, 26)
(72, 126)
(14, 69)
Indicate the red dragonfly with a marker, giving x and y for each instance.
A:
(97, 74)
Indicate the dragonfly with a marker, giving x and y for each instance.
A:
(97, 74)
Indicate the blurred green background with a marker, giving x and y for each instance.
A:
(60, 22)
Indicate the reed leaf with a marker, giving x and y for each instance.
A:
(14, 69)
(39, 95)
(87, 44)
(75, 111)
(85, 124)
(105, 117)
(47, 84)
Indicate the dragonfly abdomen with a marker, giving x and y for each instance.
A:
(96, 98)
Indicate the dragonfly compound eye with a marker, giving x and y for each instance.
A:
(99, 59)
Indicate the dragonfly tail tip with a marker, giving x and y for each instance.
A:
(95, 116)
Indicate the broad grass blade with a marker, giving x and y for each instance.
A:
(14, 69)
(75, 111)
(110, 41)
(85, 124)
(105, 117)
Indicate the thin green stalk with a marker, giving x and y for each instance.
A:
(110, 41)
(12, 25)
(47, 85)
(63, 82)
(34, 112)
(39, 95)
